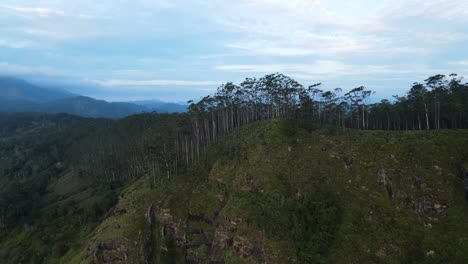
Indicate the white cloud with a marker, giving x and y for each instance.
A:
(15, 69)
(334, 28)
(460, 63)
(16, 44)
(445, 10)
(342, 39)
(154, 82)
(37, 11)
(330, 69)
(45, 12)
(322, 46)
(260, 27)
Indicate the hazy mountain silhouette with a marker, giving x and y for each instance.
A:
(18, 95)
(162, 107)
(15, 89)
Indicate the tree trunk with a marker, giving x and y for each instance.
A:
(427, 116)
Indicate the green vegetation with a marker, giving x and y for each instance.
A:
(59, 177)
(266, 203)
(262, 172)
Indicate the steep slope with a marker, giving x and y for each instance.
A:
(276, 192)
(59, 175)
(45, 206)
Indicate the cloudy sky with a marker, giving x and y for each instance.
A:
(177, 50)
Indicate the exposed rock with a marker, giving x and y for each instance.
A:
(89, 251)
(110, 212)
(299, 194)
(245, 248)
(389, 191)
(114, 211)
(111, 245)
(388, 250)
(195, 257)
(174, 230)
(109, 252)
(108, 257)
(199, 218)
(428, 225)
(232, 223)
(348, 162)
(252, 182)
(440, 207)
(150, 214)
(149, 240)
(381, 253)
(196, 245)
(417, 182)
(164, 217)
(221, 241)
(326, 147)
(196, 231)
(384, 180)
(120, 211)
(405, 199)
(431, 206)
(382, 177)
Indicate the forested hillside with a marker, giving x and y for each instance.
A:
(267, 171)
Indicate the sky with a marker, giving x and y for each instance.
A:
(176, 50)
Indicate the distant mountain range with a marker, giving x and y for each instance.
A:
(17, 95)
(162, 107)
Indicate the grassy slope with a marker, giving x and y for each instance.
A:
(281, 194)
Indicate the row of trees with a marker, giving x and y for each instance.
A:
(437, 103)
(166, 143)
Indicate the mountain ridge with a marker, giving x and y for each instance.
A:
(18, 95)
